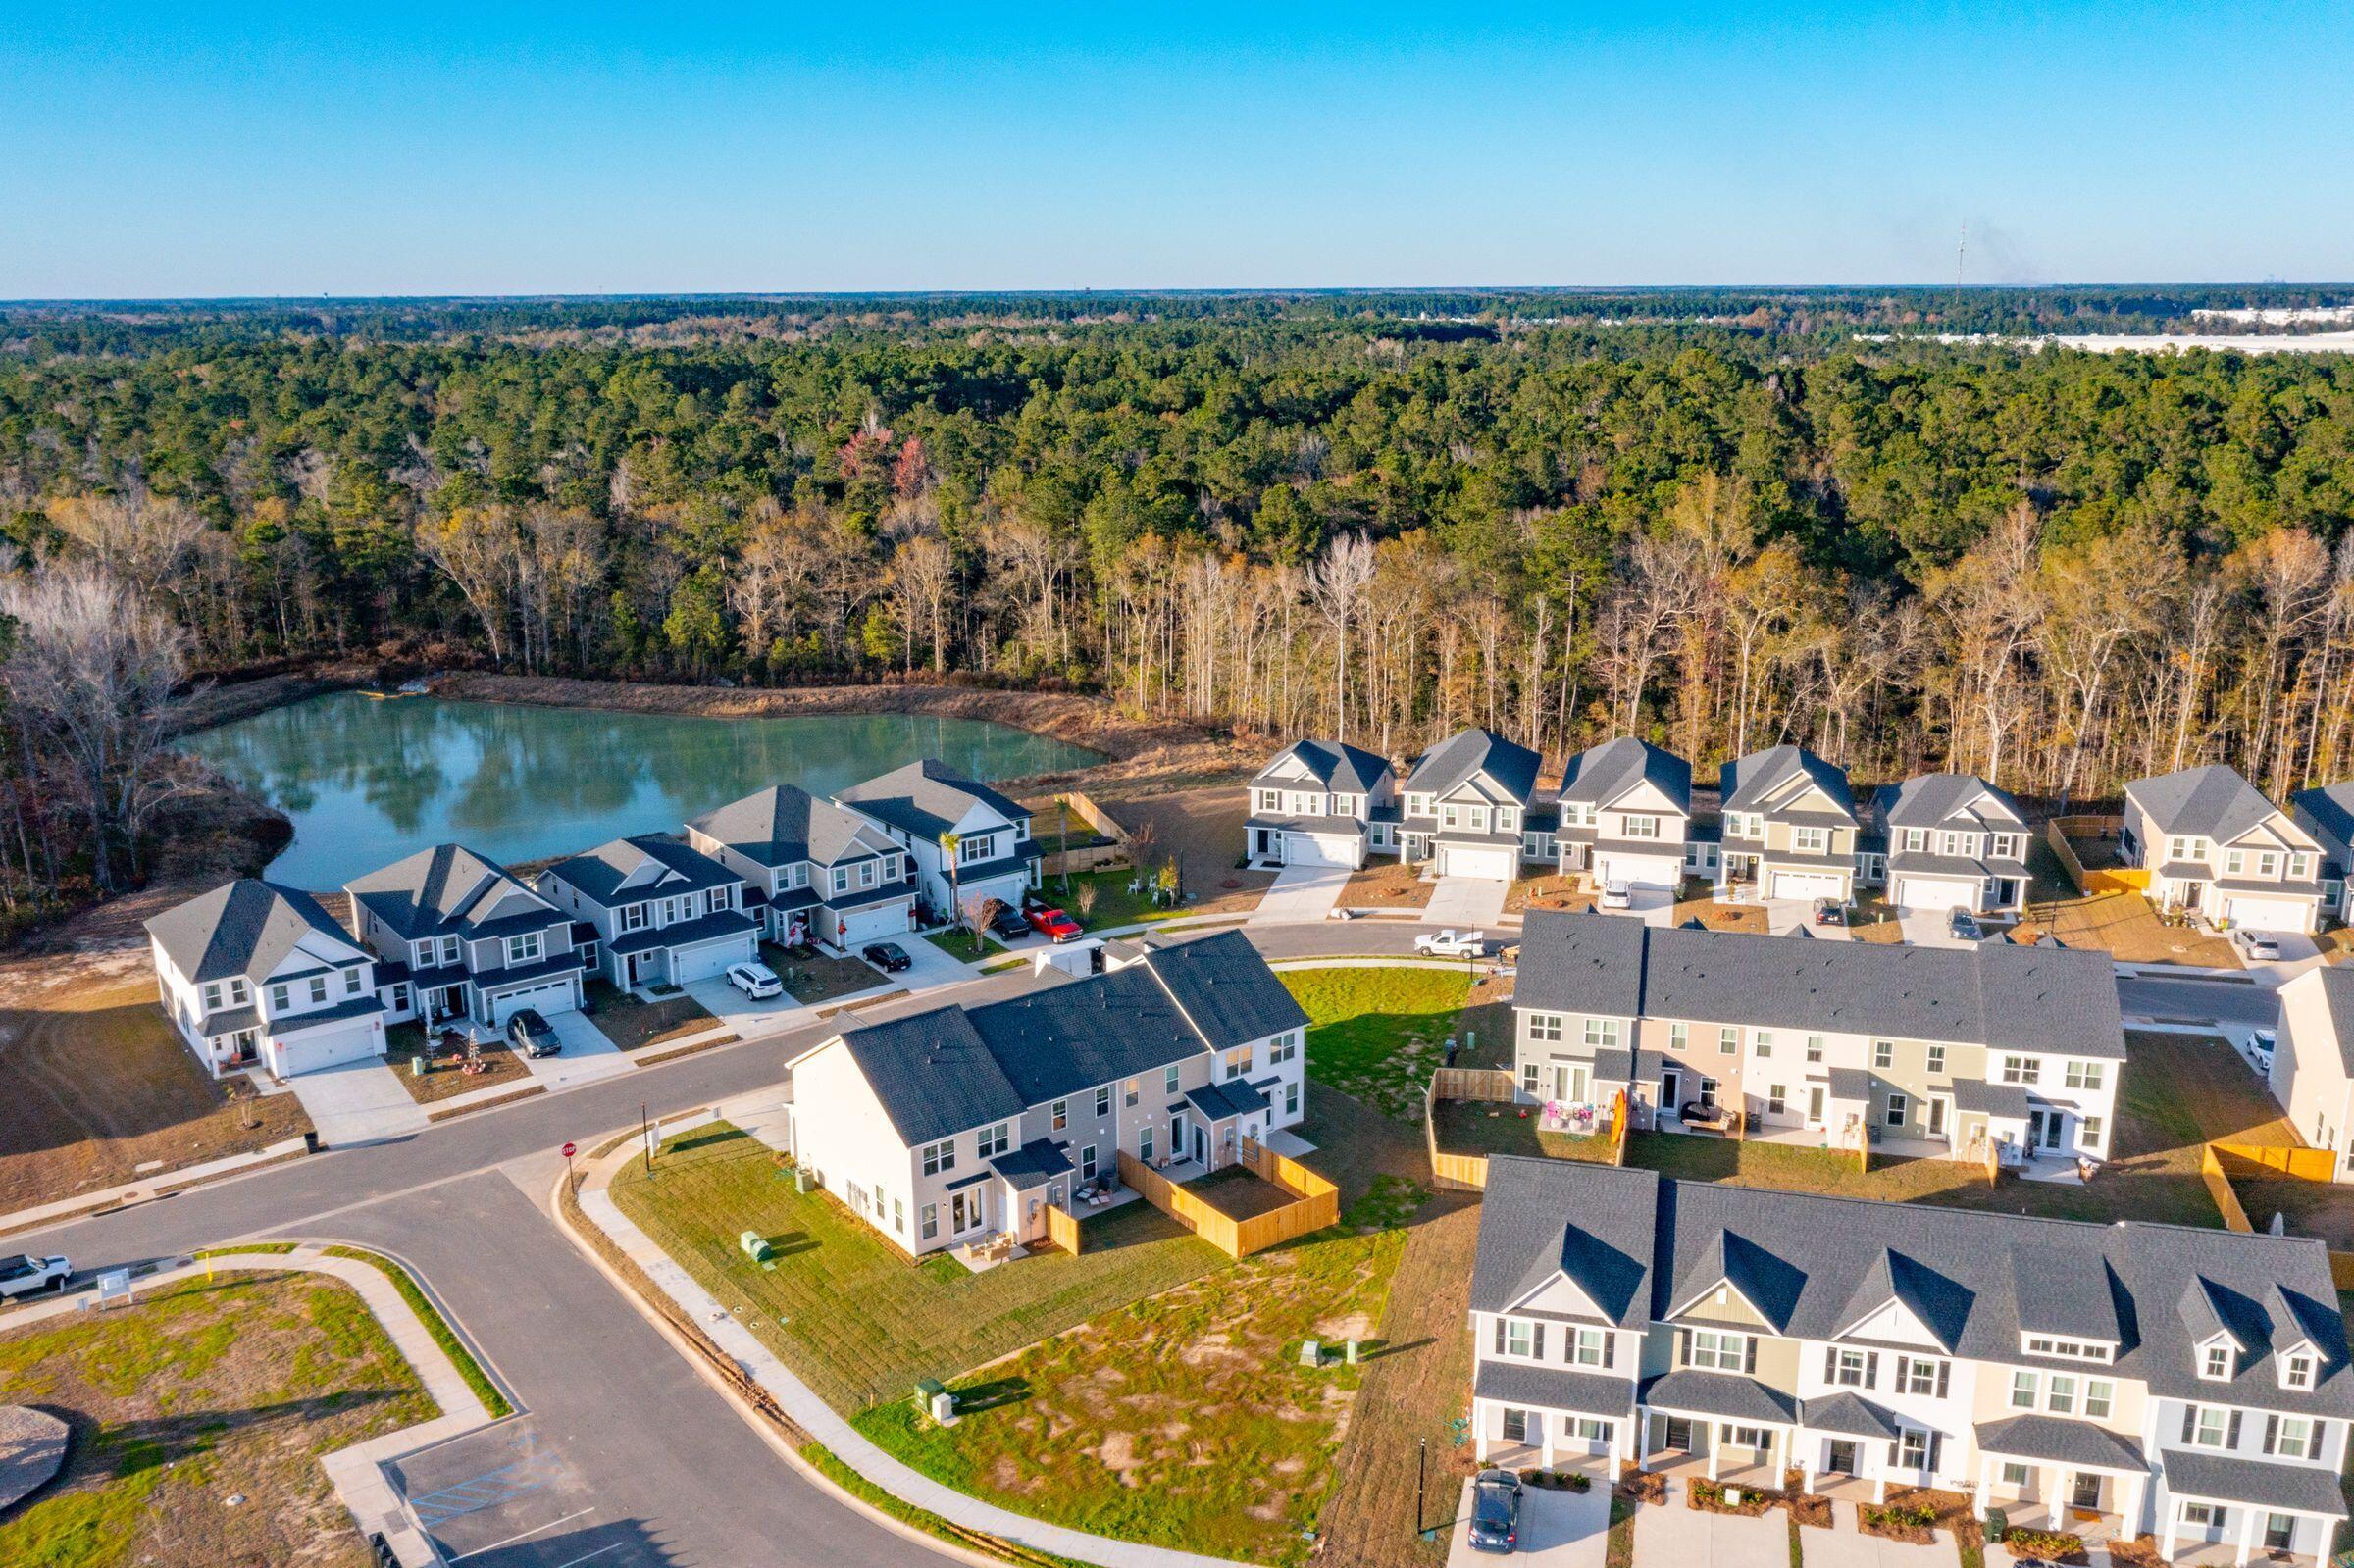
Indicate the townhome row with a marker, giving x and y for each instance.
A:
(449, 935)
(947, 1126)
(2188, 1384)
(1789, 827)
(1988, 1050)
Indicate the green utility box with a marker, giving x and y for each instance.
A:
(755, 1247)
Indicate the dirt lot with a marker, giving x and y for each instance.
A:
(633, 1025)
(496, 1065)
(1203, 828)
(1386, 884)
(2126, 928)
(95, 1082)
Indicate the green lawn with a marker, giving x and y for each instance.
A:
(959, 944)
(844, 1308)
(1113, 904)
(1183, 1421)
(1482, 1127)
(196, 1393)
(1376, 1034)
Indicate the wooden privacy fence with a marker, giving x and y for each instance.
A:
(2305, 1164)
(1062, 1229)
(2105, 880)
(2219, 1188)
(1085, 856)
(1316, 1203)
(1460, 1173)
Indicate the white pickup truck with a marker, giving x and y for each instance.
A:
(1452, 944)
(22, 1274)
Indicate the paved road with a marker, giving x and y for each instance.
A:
(677, 1476)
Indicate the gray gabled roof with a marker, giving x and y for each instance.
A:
(1932, 799)
(1593, 1393)
(1720, 1393)
(1603, 1246)
(1335, 764)
(1756, 782)
(248, 926)
(2061, 1001)
(2326, 811)
(1603, 774)
(784, 824)
(2054, 1294)
(1850, 1415)
(2211, 802)
(1226, 989)
(604, 874)
(448, 889)
(1471, 751)
(932, 1075)
(1819, 1248)
(926, 799)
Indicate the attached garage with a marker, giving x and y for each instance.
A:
(313, 1049)
(2268, 914)
(707, 959)
(1935, 892)
(556, 997)
(1323, 849)
(1494, 865)
(1806, 884)
(855, 928)
(1658, 872)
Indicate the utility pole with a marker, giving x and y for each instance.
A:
(1960, 248)
(646, 1133)
(1421, 1463)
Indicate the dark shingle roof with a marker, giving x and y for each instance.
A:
(687, 933)
(1934, 798)
(2305, 1488)
(1720, 1393)
(1335, 764)
(1804, 1254)
(248, 926)
(1604, 1245)
(1592, 1393)
(784, 823)
(1219, 1102)
(932, 1075)
(1034, 1164)
(1754, 782)
(1227, 989)
(926, 799)
(648, 866)
(1601, 774)
(1851, 1416)
(2061, 1001)
(2327, 812)
(2079, 1443)
(2210, 802)
(1469, 751)
(449, 889)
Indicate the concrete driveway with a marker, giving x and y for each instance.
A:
(1557, 1529)
(1676, 1533)
(927, 965)
(1843, 1545)
(359, 1102)
(1787, 917)
(1653, 906)
(1929, 928)
(743, 1015)
(1301, 893)
(587, 1056)
(1472, 904)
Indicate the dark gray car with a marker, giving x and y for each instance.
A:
(1495, 1511)
(530, 1035)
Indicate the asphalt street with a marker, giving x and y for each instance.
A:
(659, 1470)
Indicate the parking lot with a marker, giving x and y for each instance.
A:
(505, 1498)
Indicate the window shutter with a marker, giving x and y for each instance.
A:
(2231, 1435)
(1683, 1348)
(2190, 1420)
(1500, 1344)
(1749, 1357)
(1537, 1341)
(2271, 1432)
(1610, 1350)
(1945, 1372)
(1936, 1445)
(1872, 1369)
(1830, 1363)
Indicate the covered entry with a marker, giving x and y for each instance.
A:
(1037, 1177)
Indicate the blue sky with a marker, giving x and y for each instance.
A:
(223, 149)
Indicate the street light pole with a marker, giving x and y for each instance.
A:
(1421, 1462)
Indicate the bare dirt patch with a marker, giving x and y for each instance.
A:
(1201, 827)
(2128, 929)
(1386, 884)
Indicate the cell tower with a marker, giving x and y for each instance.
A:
(1961, 246)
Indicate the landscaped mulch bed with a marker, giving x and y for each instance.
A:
(2140, 1552)
(1897, 1521)
(445, 1077)
(1641, 1486)
(1708, 1496)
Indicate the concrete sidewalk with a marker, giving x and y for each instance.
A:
(814, 1416)
(147, 1187)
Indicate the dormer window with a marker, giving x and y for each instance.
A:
(2215, 1360)
(2066, 1350)
(2296, 1371)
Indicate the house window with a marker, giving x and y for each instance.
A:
(1936, 1058)
(2014, 1475)
(898, 1216)
(972, 851)
(2297, 1372)
(1601, 1033)
(1950, 843)
(797, 874)
(1728, 1040)
(841, 879)
(318, 989)
(2060, 1396)
(1058, 1116)
(1269, 800)
(1291, 1099)
(1517, 1426)
(1544, 1027)
(1587, 1429)
(2021, 1070)
(2083, 1075)
(1103, 1101)
(1851, 1368)
(1282, 1048)
(400, 998)
(2023, 1388)
(2098, 1395)
(1086, 1162)
(1898, 1105)
(1916, 839)
(2182, 849)
(1129, 1093)
(964, 1211)
(2235, 861)
(2208, 1425)
(1917, 1376)
(2215, 1361)
(212, 996)
(1721, 1352)
(927, 1223)
(1776, 1099)
(1519, 1336)
(1679, 1038)
(940, 1156)
(1238, 1062)
(1809, 840)
(1913, 1449)
(2090, 1133)
(351, 983)
(1752, 1438)
(866, 873)
(2268, 865)
(1813, 1047)
(1642, 827)
(1168, 1080)
(2300, 867)
(1764, 1043)
(2206, 1515)
(996, 1140)
(281, 997)
(715, 900)
(631, 917)
(1144, 1144)
(1883, 1053)
(1589, 1348)
(1450, 816)
(2293, 1438)
(523, 949)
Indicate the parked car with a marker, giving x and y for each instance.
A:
(23, 1274)
(889, 957)
(1452, 944)
(1618, 896)
(2260, 1045)
(2256, 946)
(1496, 1512)
(757, 981)
(1829, 912)
(1007, 924)
(530, 1034)
(1965, 925)
(1054, 925)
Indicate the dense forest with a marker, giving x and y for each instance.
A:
(1719, 518)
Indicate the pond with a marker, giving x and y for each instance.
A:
(368, 781)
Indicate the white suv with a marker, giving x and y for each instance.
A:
(23, 1274)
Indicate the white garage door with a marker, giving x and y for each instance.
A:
(556, 997)
(2266, 914)
(1929, 893)
(1319, 849)
(711, 958)
(879, 923)
(1804, 884)
(331, 1047)
(1653, 871)
(1494, 864)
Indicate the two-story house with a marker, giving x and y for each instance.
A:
(1953, 842)
(1789, 829)
(456, 936)
(949, 1126)
(2312, 1071)
(1321, 803)
(255, 974)
(2326, 813)
(2185, 1383)
(970, 843)
(1463, 805)
(664, 914)
(2215, 846)
(1990, 1050)
(812, 869)
(1625, 809)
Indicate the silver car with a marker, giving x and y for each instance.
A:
(2256, 946)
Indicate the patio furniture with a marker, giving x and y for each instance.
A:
(1709, 1118)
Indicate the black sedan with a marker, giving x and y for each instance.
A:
(530, 1035)
(889, 957)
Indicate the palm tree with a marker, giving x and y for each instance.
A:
(948, 848)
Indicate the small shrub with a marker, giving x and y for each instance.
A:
(2054, 1543)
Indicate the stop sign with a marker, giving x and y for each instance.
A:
(568, 1151)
